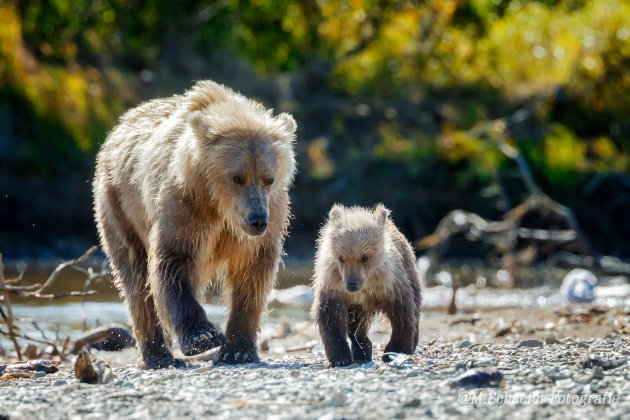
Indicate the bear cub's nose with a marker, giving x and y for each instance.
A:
(258, 222)
(352, 285)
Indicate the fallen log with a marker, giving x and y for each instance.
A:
(113, 337)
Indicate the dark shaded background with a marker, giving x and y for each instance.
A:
(397, 102)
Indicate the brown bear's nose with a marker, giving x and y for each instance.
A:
(258, 222)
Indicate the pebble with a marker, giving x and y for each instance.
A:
(598, 372)
(301, 387)
(529, 343)
(464, 344)
(552, 340)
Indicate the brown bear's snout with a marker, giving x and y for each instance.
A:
(257, 223)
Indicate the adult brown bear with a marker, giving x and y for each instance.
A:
(188, 190)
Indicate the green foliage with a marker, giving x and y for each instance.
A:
(73, 66)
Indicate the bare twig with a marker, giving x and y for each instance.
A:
(38, 291)
(8, 317)
(503, 235)
(55, 274)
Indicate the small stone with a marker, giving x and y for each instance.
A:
(529, 343)
(598, 372)
(464, 344)
(337, 400)
(485, 362)
(552, 340)
(38, 374)
(478, 378)
(565, 383)
(460, 366)
(413, 403)
(203, 369)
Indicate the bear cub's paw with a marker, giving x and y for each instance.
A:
(161, 362)
(340, 362)
(202, 340)
(361, 359)
(236, 355)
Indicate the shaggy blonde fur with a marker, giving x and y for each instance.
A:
(363, 248)
(173, 219)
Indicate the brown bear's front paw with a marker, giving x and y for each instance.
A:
(236, 355)
(161, 362)
(203, 340)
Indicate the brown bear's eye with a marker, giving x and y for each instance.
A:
(340, 259)
(268, 181)
(238, 180)
(364, 258)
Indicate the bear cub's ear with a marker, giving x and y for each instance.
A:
(335, 213)
(288, 123)
(382, 214)
(200, 124)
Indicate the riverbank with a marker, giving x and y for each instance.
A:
(552, 363)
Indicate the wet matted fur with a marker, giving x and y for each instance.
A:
(189, 190)
(364, 266)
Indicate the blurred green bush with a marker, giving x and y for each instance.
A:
(417, 77)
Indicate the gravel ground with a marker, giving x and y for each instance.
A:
(543, 359)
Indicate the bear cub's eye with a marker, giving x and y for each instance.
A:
(238, 180)
(268, 181)
(364, 258)
(340, 259)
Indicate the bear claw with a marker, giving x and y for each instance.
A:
(236, 357)
(202, 341)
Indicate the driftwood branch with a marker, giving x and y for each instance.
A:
(458, 221)
(12, 288)
(61, 267)
(8, 317)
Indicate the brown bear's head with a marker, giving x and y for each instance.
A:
(358, 240)
(246, 154)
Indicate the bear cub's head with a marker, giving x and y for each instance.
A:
(246, 154)
(357, 241)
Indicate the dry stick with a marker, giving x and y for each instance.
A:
(55, 274)
(29, 338)
(8, 318)
(35, 291)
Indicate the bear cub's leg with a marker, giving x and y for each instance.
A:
(358, 327)
(332, 320)
(405, 326)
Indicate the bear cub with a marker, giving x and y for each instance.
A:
(364, 266)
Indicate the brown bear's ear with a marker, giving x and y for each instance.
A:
(200, 124)
(205, 93)
(335, 213)
(288, 123)
(382, 214)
